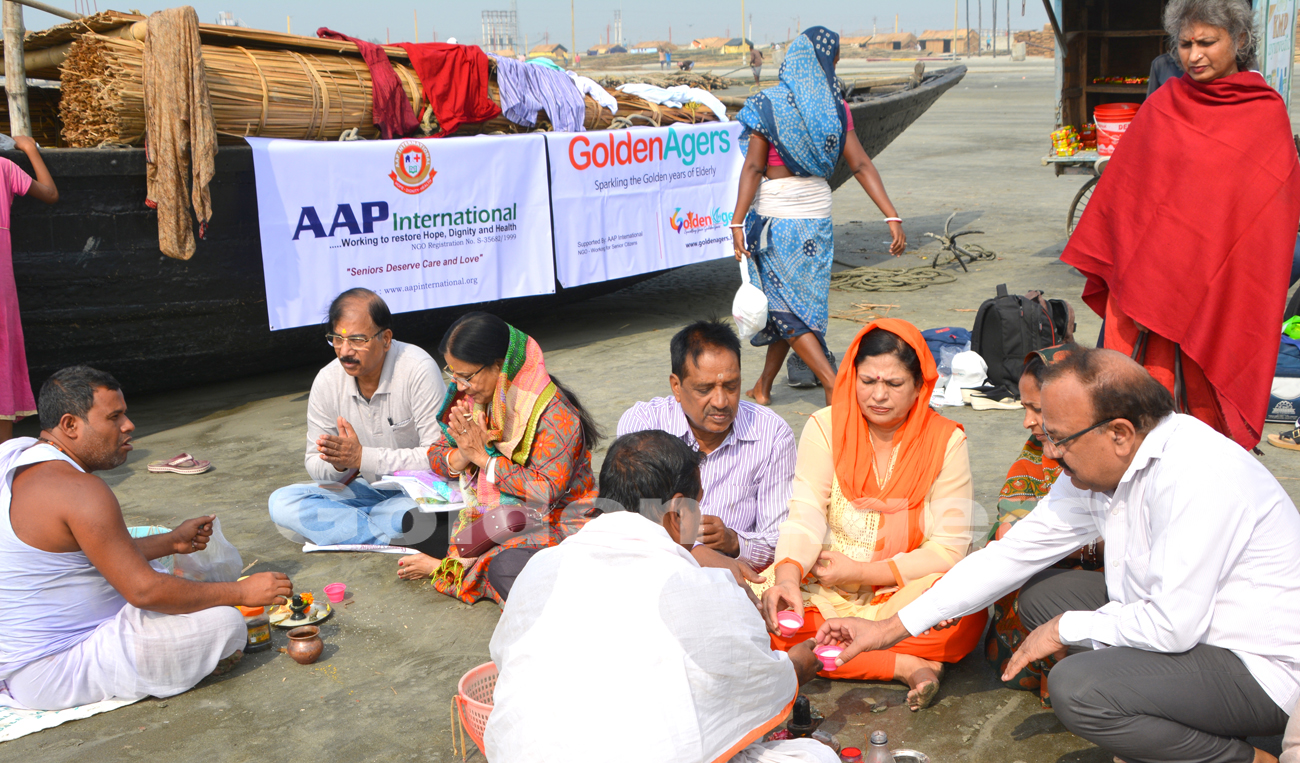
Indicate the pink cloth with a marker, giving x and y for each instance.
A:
(16, 398)
(774, 159)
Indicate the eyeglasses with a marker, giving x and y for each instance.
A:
(1060, 444)
(462, 379)
(355, 341)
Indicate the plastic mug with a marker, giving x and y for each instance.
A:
(788, 622)
(336, 592)
(827, 654)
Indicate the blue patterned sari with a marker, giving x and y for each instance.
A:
(803, 117)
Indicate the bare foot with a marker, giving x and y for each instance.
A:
(417, 566)
(923, 678)
(759, 395)
(806, 664)
(227, 664)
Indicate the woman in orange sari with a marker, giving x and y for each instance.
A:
(881, 509)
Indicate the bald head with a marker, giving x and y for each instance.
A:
(1117, 387)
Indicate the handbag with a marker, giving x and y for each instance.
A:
(492, 528)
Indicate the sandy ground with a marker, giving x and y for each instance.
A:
(394, 654)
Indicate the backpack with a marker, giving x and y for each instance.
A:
(1009, 327)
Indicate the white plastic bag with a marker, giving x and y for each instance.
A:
(218, 563)
(749, 308)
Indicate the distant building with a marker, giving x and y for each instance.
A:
(895, 41)
(605, 50)
(652, 46)
(736, 45)
(854, 42)
(709, 43)
(557, 53)
(941, 41)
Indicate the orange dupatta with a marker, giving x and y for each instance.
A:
(922, 442)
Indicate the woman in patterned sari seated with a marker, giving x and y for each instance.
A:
(511, 436)
(881, 509)
(1028, 481)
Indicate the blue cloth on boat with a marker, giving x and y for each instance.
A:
(526, 89)
(793, 267)
(803, 116)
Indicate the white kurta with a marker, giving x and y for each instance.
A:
(1201, 548)
(617, 645)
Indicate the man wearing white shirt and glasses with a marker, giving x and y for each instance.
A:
(1190, 639)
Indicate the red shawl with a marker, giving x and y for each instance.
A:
(454, 79)
(391, 108)
(1192, 228)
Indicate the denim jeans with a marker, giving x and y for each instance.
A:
(357, 513)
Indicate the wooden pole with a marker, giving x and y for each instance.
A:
(743, 55)
(20, 121)
(417, 26)
(955, 6)
(573, 36)
(50, 9)
(288, 24)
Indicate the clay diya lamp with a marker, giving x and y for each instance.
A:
(305, 645)
(788, 623)
(335, 592)
(826, 653)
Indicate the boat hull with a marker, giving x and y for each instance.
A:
(94, 289)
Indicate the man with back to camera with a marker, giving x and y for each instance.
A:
(83, 615)
(661, 637)
(372, 411)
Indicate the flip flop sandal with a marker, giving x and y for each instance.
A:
(1289, 440)
(182, 464)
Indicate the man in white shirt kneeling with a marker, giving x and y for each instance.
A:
(1190, 639)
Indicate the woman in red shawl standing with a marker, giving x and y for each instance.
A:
(1188, 241)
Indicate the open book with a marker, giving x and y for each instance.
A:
(427, 489)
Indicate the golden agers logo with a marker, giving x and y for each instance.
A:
(412, 169)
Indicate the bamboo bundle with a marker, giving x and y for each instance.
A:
(273, 94)
(43, 108)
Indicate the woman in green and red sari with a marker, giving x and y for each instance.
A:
(1028, 481)
(511, 436)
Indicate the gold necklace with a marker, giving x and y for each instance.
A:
(893, 456)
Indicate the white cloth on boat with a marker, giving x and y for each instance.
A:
(676, 96)
(671, 662)
(787, 751)
(136, 654)
(794, 198)
(590, 87)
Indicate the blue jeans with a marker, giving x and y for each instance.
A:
(355, 514)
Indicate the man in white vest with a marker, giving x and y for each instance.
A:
(83, 615)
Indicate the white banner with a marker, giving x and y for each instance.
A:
(423, 223)
(635, 201)
(1277, 43)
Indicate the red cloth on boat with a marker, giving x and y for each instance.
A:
(454, 79)
(391, 108)
(1191, 233)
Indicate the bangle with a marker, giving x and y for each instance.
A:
(447, 458)
(736, 225)
(893, 219)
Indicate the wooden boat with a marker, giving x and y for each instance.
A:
(94, 288)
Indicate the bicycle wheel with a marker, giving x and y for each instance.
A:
(1079, 204)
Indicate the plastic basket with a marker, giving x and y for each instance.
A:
(474, 700)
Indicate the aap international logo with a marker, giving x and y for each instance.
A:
(412, 168)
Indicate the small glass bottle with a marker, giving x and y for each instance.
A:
(850, 755)
(879, 750)
(259, 628)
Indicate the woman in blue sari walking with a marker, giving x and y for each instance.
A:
(796, 133)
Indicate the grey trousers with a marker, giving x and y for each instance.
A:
(506, 566)
(1149, 706)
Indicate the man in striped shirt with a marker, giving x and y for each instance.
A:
(747, 450)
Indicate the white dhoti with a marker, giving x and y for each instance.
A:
(787, 751)
(133, 655)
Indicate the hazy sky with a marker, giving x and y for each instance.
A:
(642, 20)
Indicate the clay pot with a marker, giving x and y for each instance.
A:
(305, 645)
